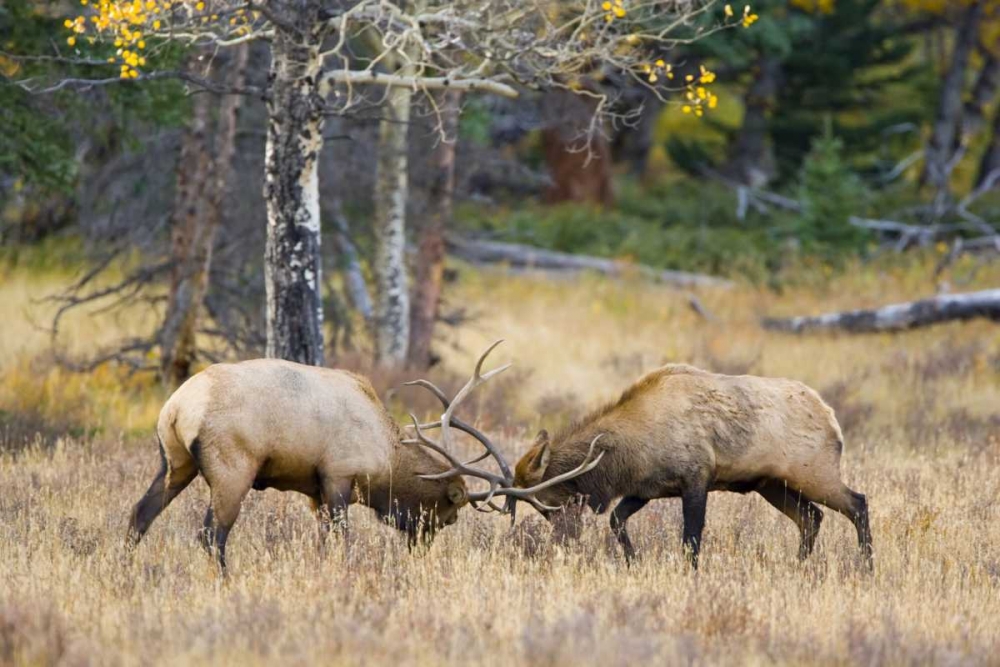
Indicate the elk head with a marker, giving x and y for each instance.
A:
(502, 484)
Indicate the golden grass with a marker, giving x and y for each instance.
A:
(922, 418)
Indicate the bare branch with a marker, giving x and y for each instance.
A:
(87, 84)
(374, 78)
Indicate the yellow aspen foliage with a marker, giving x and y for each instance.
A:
(130, 24)
(135, 28)
(814, 6)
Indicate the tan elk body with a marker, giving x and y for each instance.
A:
(683, 432)
(276, 424)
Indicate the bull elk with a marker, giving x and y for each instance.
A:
(321, 432)
(682, 432)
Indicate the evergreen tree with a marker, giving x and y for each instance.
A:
(804, 61)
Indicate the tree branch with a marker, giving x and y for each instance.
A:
(187, 77)
(371, 77)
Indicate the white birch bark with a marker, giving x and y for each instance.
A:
(291, 191)
(392, 307)
(898, 316)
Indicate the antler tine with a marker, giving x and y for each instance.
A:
(480, 497)
(528, 494)
(479, 364)
(457, 467)
(448, 419)
(585, 466)
(431, 387)
(479, 458)
(477, 379)
(490, 507)
(422, 439)
(465, 428)
(488, 496)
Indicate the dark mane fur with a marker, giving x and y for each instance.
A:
(639, 387)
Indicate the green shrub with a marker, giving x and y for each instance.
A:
(830, 194)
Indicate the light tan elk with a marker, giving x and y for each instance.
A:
(324, 433)
(683, 432)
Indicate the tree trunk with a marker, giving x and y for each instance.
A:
(392, 302)
(751, 160)
(203, 172)
(292, 266)
(579, 173)
(983, 92)
(431, 250)
(940, 151)
(900, 316)
(634, 141)
(989, 168)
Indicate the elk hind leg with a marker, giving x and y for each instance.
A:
(167, 485)
(229, 485)
(806, 515)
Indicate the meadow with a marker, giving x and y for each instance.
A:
(920, 411)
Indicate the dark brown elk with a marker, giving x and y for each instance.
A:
(683, 432)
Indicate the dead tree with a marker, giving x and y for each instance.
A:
(529, 257)
(940, 156)
(899, 316)
(989, 167)
(578, 174)
(429, 273)
(751, 160)
(203, 173)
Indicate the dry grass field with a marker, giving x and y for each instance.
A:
(921, 414)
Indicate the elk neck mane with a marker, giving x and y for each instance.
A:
(638, 388)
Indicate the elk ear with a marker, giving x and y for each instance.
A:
(541, 460)
(457, 493)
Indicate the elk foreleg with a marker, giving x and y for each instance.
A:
(619, 518)
(335, 497)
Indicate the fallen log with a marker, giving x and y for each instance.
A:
(529, 257)
(899, 316)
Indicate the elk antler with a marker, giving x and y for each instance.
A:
(502, 484)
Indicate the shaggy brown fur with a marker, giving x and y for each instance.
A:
(681, 431)
(275, 424)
